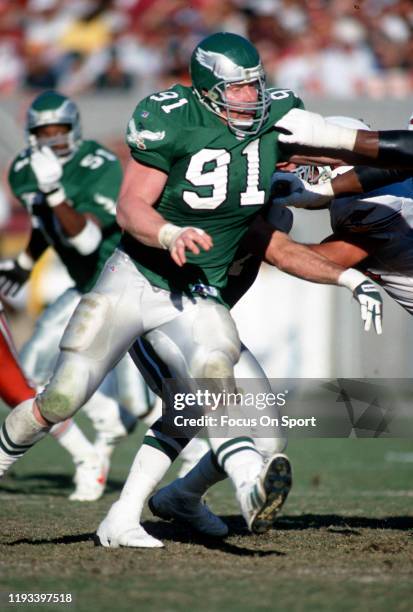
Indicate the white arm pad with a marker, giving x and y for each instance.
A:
(311, 129)
(351, 278)
(88, 239)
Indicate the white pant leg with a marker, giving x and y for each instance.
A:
(39, 354)
(248, 371)
(99, 333)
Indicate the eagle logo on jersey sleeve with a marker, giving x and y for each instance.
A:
(138, 136)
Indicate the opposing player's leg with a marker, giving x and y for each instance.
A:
(272, 482)
(182, 359)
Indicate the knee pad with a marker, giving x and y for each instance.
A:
(67, 390)
(85, 332)
(201, 343)
(217, 344)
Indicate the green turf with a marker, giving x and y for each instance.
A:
(343, 542)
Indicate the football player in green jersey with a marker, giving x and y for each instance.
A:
(200, 173)
(69, 187)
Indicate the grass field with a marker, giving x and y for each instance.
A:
(343, 542)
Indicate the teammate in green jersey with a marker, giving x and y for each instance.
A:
(192, 191)
(69, 188)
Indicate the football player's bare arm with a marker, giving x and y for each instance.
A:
(71, 221)
(279, 250)
(141, 188)
(310, 132)
(302, 261)
(362, 179)
(315, 160)
(346, 253)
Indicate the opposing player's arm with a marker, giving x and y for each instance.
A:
(290, 190)
(344, 251)
(277, 249)
(362, 179)
(310, 132)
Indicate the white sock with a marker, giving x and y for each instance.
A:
(243, 466)
(239, 458)
(195, 449)
(71, 437)
(20, 431)
(148, 469)
(205, 474)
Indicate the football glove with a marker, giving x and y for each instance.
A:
(367, 295)
(301, 127)
(289, 190)
(371, 305)
(14, 273)
(48, 172)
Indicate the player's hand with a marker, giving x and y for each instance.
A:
(287, 189)
(47, 169)
(178, 240)
(191, 239)
(301, 127)
(12, 276)
(371, 305)
(367, 295)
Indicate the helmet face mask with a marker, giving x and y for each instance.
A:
(313, 174)
(53, 109)
(221, 61)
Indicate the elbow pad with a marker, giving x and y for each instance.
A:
(88, 239)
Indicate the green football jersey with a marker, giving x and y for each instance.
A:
(92, 181)
(217, 181)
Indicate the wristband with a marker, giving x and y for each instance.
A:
(168, 234)
(88, 239)
(351, 278)
(56, 197)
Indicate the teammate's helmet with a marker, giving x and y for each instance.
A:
(51, 108)
(321, 174)
(220, 60)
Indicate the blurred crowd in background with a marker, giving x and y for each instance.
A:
(340, 48)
